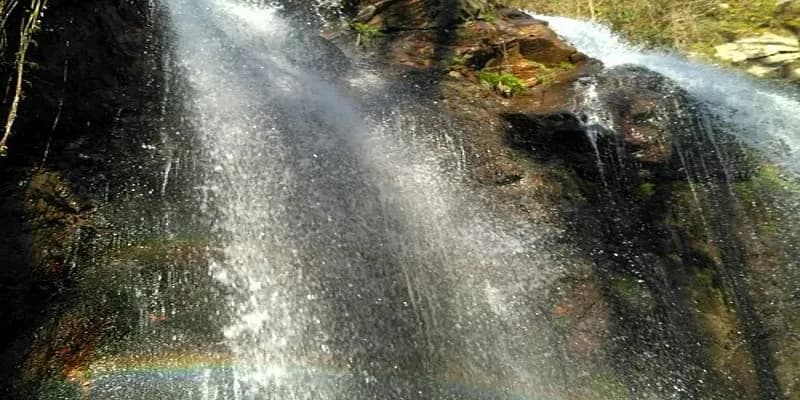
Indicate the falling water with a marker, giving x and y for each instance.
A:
(766, 114)
(358, 264)
(597, 121)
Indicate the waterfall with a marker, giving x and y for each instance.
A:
(349, 254)
(358, 261)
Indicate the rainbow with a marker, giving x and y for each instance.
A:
(187, 367)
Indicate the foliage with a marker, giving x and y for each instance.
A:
(646, 190)
(505, 83)
(691, 25)
(488, 17)
(365, 32)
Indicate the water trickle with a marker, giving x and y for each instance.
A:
(597, 121)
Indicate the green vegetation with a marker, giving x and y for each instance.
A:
(608, 386)
(365, 33)
(633, 293)
(502, 82)
(490, 18)
(689, 25)
(646, 190)
(767, 180)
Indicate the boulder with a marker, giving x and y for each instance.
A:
(502, 40)
(767, 55)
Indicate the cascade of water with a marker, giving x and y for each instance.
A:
(765, 114)
(356, 269)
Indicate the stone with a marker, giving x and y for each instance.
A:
(768, 55)
(760, 47)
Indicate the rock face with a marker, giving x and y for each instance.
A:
(671, 217)
(472, 37)
(687, 254)
(81, 137)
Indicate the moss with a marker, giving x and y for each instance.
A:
(159, 250)
(764, 186)
(788, 359)
(488, 17)
(465, 33)
(59, 389)
(502, 82)
(772, 179)
(459, 61)
(719, 324)
(633, 293)
(646, 190)
(608, 386)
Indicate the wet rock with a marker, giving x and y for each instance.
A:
(81, 141)
(320, 54)
(477, 38)
(151, 297)
(656, 120)
(533, 39)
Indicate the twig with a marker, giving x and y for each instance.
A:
(26, 32)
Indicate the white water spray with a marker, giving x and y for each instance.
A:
(358, 269)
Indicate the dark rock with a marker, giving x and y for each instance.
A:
(78, 144)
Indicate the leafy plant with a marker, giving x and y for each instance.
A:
(490, 18)
(505, 83)
(646, 190)
(365, 33)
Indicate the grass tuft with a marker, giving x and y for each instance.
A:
(365, 33)
(502, 82)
